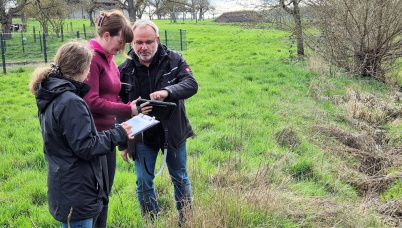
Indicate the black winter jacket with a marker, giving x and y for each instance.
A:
(172, 74)
(72, 148)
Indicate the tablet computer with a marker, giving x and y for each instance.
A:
(160, 109)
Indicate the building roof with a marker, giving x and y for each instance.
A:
(240, 16)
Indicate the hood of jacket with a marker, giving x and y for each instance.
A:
(55, 85)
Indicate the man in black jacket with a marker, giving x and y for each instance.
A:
(157, 73)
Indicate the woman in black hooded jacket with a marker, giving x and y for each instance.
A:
(72, 145)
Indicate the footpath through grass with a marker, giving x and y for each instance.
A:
(250, 90)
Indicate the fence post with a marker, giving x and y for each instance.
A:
(22, 42)
(44, 47)
(62, 34)
(34, 34)
(40, 42)
(166, 38)
(181, 40)
(85, 32)
(3, 54)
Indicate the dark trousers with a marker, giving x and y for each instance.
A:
(145, 161)
(109, 170)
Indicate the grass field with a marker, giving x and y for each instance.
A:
(268, 150)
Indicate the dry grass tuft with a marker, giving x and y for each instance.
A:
(373, 158)
(370, 152)
(367, 107)
(371, 186)
(374, 161)
(319, 65)
(361, 141)
(395, 150)
(236, 193)
(287, 137)
(393, 210)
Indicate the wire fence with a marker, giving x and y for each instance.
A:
(19, 48)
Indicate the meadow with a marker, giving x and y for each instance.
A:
(257, 159)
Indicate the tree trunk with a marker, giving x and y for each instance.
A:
(298, 29)
(24, 22)
(295, 12)
(91, 19)
(132, 11)
(173, 17)
(6, 19)
(200, 15)
(7, 31)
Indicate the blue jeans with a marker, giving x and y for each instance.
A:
(86, 223)
(145, 167)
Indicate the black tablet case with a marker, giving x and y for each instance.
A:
(160, 110)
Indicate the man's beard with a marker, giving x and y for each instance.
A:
(147, 58)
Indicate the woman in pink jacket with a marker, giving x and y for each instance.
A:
(113, 32)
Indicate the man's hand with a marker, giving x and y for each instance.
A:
(125, 155)
(160, 95)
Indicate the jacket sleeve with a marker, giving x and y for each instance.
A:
(184, 84)
(120, 119)
(78, 128)
(125, 78)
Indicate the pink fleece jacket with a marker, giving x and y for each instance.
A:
(103, 97)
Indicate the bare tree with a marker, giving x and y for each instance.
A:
(157, 5)
(49, 12)
(203, 7)
(199, 7)
(174, 7)
(364, 37)
(276, 16)
(7, 10)
(141, 8)
(40, 11)
(192, 8)
(60, 11)
(89, 7)
(195, 7)
(135, 8)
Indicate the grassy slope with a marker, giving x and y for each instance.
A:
(249, 91)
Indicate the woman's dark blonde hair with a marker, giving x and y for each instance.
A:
(114, 22)
(71, 60)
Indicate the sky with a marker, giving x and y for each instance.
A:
(222, 6)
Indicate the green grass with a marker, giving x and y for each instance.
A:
(251, 88)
